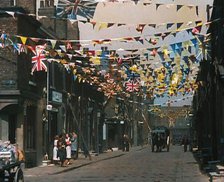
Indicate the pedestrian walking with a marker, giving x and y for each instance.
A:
(74, 145)
(185, 142)
(126, 143)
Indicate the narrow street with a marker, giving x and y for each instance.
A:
(88, 77)
(137, 165)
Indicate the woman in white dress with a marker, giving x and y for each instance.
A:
(68, 148)
(55, 150)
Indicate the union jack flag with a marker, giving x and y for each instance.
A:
(39, 65)
(132, 86)
(71, 8)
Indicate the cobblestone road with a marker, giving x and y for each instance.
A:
(138, 165)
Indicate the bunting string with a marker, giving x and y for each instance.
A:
(150, 72)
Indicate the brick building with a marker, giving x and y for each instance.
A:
(34, 108)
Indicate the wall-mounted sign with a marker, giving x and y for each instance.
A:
(56, 96)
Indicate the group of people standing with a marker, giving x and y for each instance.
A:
(65, 148)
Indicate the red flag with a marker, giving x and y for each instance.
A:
(39, 65)
(38, 62)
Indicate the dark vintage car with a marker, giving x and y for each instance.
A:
(160, 136)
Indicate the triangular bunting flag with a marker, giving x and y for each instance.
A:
(69, 46)
(196, 30)
(103, 25)
(179, 25)
(185, 52)
(69, 56)
(53, 43)
(161, 55)
(173, 46)
(179, 7)
(139, 39)
(93, 23)
(178, 45)
(23, 39)
(194, 41)
(140, 27)
(120, 24)
(189, 49)
(35, 39)
(110, 25)
(83, 21)
(189, 30)
(63, 48)
(152, 25)
(157, 6)
(168, 25)
(198, 23)
(95, 60)
(178, 51)
(164, 35)
(11, 13)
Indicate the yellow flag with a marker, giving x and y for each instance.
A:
(95, 60)
(23, 39)
(185, 53)
(103, 25)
